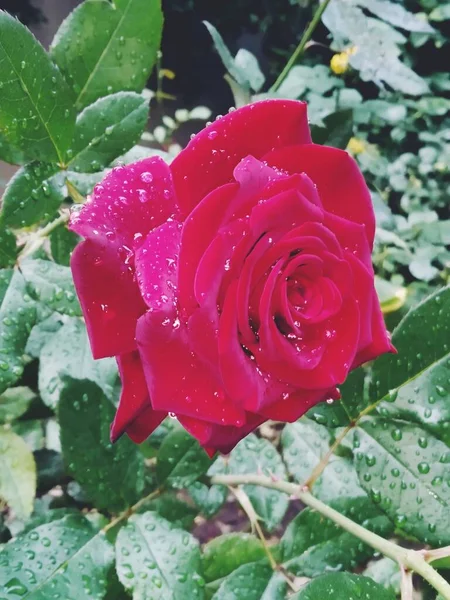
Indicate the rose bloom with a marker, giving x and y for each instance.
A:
(236, 284)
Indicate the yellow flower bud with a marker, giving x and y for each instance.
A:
(356, 146)
(339, 63)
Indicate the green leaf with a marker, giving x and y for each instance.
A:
(337, 129)
(39, 123)
(405, 471)
(62, 244)
(440, 13)
(8, 248)
(208, 499)
(68, 353)
(313, 544)
(118, 55)
(5, 279)
(14, 402)
(343, 586)
(17, 316)
(396, 15)
(254, 455)
(386, 572)
(224, 554)
(248, 63)
(67, 558)
(34, 193)
(107, 129)
(17, 474)
(155, 561)
(169, 507)
(52, 285)
(111, 475)
(10, 154)
(40, 333)
(236, 71)
(50, 515)
(392, 297)
(254, 581)
(421, 339)
(181, 460)
(304, 444)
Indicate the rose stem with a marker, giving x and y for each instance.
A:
(302, 44)
(407, 559)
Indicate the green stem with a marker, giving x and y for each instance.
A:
(407, 559)
(131, 510)
(38, 237)
(302, 44)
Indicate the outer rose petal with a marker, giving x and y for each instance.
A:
(128, 203)
(209, 159)
(341, 185)
(134, 414)
(218, 437)
(380, 343)
(177, 380)
(109, 297)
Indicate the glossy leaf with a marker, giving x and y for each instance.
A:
(226, 553)
(17, 474)
(404, 469)
(254, 581)
(34, 193)
(255, 455)
(67, 558)
(208, 499)
(337, 129)
(8, 248)
(17, 316)
(111, 474)
(62, 244)
(343, 586)
(107, 129)
(181, 459)
(156, 561)
(313, 544)
(39, 123)
(386, 572)
(68, 353)
(14, 402)
(173, 509)
(304, 444)
(52, 285)
(414, 384)
(118, 55)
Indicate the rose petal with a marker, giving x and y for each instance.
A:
(177, 380)
(156, 266)
(243, 382)
(128, 203)
(134, 413)
(217, 437)
(381, 342)
(337, 176)
(209, 159)
(109, 297)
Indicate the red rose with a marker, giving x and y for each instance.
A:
(235, 285)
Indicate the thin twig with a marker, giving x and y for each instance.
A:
(126, 514)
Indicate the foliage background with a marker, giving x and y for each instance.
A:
(380, 456)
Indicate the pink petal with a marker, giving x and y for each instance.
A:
(109, 297)
(177, 380)
(218, 437)
(156, 266)
(134, 413)
(210, 158)
(130, 200)
(339, 181)
(381, 342)
(128, 203)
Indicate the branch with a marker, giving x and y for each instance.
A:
(407, 559)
